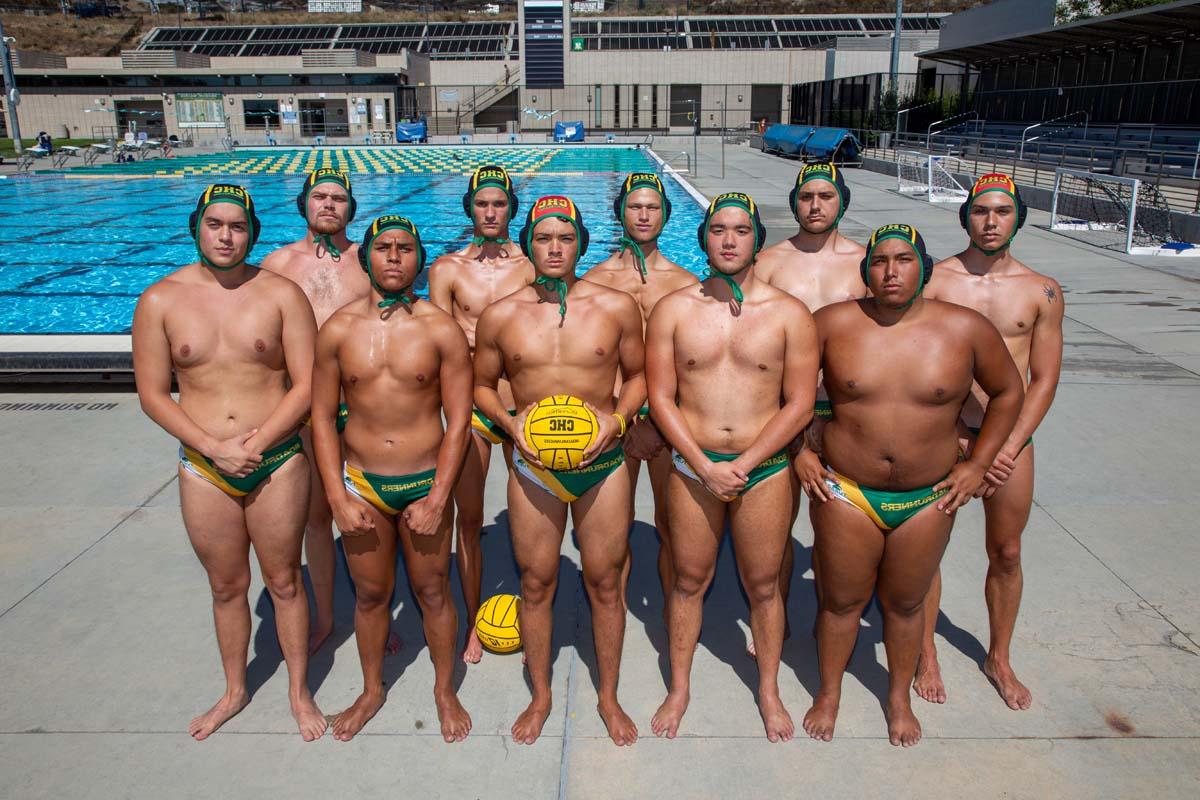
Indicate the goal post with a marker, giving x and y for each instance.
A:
(931, 175)
(1095, 208)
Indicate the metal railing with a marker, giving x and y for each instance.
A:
(1086, 118)
(671, 158)
(966, 117)
(1036, 167)
(904, 111)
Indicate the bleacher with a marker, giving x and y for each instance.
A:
(1132, 149)
(739, 33)
(437, 40)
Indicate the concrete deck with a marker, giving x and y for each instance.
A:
(108, 648)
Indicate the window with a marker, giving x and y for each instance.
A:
(261, 114)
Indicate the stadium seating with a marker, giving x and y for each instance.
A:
(1103, 148)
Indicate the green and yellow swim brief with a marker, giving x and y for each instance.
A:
(572, 484)
(766, 469)
(482, 426)
(391, 494)
(888, 510)
(203, 467)
(343, 414)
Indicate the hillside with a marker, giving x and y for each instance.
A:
(107, 36)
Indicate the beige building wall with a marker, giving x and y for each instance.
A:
(81, 114)
(848, 63)
(696, 66)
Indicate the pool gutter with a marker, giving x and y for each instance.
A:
(52, 358)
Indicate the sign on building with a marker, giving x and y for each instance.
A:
(199, 110)
(334, 6)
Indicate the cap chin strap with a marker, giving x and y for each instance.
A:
(996, 251)
(206, 262)
(629, 244)
(480, 240)
(556, 285)
(733, 287)
(913, 299)
(325, 240)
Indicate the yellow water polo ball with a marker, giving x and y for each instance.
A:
(559, 429)
(498, 623)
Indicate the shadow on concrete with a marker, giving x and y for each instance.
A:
(961, 639)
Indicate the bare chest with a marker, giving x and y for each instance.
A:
(748, 344)
(481, 285)
(584, 340)
(818, 285)
(375, 355)
(883, 366)
(204, 330)
(1010, 305)
(331, 285)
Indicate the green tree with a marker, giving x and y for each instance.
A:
(1072, 10)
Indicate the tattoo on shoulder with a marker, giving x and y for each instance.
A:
(1050, 293)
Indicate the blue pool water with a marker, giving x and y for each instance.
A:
(77, 252)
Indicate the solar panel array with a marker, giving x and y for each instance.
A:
(492, 40)
(438, 40)
(739, 33)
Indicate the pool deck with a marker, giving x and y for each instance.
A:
(108, 647)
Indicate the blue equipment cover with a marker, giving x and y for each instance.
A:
(569, 131)
(828, 143)
(412, 131)
(787, 139)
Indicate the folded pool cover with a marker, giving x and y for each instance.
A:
(814, 143)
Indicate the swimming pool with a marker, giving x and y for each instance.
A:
(79, 248)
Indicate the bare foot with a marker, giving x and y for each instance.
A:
(528, 726)
(927, 683)
(352, 720)
(226, 708)
(456, 722)
(317, 635)
(473, 650)
(621, 729)
(903, 727)
(776, 718)
(1011, 690)
(666, 719)
(394, 644)
(309, 718)
(820, 719)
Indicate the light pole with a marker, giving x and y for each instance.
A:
(10, 90)
(896, 48)
(695, 133)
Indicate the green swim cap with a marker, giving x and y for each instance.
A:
(224, 193)
(635, 181)
(381, 224)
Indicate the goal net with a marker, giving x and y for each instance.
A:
(1109, 211)
(930, 175)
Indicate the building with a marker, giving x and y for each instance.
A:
(350, 81)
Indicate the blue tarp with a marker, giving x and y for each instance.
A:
(812, 143)
(412, 131)
(569, 131)
(830, 143)
(787, 139)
